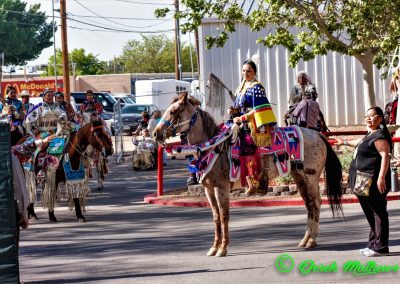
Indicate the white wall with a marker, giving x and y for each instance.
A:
(338, 78)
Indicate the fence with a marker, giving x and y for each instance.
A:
(118, 131)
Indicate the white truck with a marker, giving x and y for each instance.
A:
(159, 92)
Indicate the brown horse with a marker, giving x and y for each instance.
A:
(183, 116)
(91, 134)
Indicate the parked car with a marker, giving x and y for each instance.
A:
(131, 115)
(124, 98)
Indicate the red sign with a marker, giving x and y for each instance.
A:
(34, 87)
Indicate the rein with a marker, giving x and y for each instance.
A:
(175, 124)
(92, 133)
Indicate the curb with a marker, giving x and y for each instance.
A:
(265, 202)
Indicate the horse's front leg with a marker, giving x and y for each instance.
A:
(222, 195)
(78, 210)
(100, 173)
(217, 221)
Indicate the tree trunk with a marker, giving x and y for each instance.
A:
(366, 61)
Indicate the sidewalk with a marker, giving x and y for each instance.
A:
(251, 201)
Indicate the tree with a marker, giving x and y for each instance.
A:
(153, 54)
(81, 63)
(24, 33)
(369, 30)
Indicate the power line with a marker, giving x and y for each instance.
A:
(94, 13)
(144, 3)
(87, 16)
(120, 18)
(134, 27)
(117, 30)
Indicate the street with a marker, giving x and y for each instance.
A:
(127, 241)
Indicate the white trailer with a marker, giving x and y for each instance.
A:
(159, 92)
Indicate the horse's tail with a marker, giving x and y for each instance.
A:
(333, 181)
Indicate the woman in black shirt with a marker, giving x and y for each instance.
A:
(372, 155)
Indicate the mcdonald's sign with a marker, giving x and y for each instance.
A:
(34, 87)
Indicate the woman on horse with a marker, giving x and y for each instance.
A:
(302, 85)
(25, 95)
(250, 93)
(13, 109)
(91, 104)
(251, 99)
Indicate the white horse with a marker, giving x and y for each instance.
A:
(184, 116)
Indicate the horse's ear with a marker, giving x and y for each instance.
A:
(184, 97)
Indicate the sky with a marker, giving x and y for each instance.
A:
(134, 16)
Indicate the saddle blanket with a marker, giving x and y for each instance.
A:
(286, 146)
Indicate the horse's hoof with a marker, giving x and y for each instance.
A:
(53, 220)
(221, 252)
(81, 220)
(311, 244)
(301, 245)
(99, 188)
(33, 217)
(212, 252)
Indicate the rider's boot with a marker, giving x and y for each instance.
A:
(52, 218)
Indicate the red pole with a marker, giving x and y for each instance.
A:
(160, 184)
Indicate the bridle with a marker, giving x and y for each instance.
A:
(175, 123)
(92, 134)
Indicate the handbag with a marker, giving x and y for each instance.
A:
(363, 183)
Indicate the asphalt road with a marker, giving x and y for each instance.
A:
(127, 241)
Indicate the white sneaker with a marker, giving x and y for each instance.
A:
(364, 250)
(372, 253)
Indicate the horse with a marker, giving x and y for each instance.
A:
(91, 134)
(183, 116)
(95, 156)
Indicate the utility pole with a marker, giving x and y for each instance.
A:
(64, 46)
(178, 65)
(54, 47)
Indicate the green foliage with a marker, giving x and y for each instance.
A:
(345, 157)
(348, 27)
(24, 32)
(84, 64)
(153, 54)
(368, 29)
(284, 180)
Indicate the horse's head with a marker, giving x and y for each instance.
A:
(63, 125)
(178, 118)
(99, 139)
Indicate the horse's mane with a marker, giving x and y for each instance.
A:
(209, 124)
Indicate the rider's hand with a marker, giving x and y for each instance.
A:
(237, 120)
(48, 138)
(229, 111)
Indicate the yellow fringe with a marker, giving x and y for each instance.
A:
(260, 139)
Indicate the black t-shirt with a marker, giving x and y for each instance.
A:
(368, 159)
